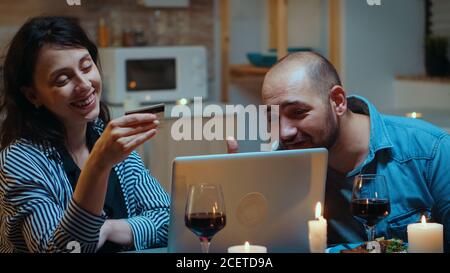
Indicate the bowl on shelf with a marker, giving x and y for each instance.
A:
(293, 49)
(262, 59)
(268, 59)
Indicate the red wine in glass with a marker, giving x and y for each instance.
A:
(370, 211)
(205, 224)
(370, 201)
(205, 212)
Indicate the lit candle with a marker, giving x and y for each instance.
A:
(414, 115)
(247, 248)
(425, 237)
(317, 232)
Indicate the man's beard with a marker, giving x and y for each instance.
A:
(330, 133)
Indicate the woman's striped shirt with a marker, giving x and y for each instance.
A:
(38, 214)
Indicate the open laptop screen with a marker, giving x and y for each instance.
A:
(269, 198)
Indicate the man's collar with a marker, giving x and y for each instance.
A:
(379, 137)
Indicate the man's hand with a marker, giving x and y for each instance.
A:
(232, 145)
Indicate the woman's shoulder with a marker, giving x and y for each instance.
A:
(25, 152)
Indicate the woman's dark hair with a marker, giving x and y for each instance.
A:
(22, 119)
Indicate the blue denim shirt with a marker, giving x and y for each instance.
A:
(414, 157)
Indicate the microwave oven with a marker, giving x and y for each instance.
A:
(153, 74)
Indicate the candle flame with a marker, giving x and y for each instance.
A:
(215, 208)
(414, 115)
(423, 220)
(247, 246)
(318, 210)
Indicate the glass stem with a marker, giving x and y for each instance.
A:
(370, 231)
(205, 242)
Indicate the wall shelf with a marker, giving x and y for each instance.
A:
(240, 70)
(278, 30)
(277, 39)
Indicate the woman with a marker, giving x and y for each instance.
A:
(68, 176)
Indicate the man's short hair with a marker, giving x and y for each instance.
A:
(321, 72)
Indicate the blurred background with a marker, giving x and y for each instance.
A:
(395, 54)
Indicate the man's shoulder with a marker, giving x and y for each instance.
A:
(413, 138)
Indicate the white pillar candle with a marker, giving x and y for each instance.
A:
(247, 248)
(425, 237)
(317, 232)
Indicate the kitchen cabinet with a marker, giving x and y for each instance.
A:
(423, 97)
(422, 92)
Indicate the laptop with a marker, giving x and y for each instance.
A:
(269, 198)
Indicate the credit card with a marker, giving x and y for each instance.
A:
(153, 109)
(157, 109)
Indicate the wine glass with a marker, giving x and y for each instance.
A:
(205, 212)
(370, 201)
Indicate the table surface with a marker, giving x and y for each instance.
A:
(151, 250)
(335, 249)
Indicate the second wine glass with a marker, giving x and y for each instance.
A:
(205, 212)
(370, 201)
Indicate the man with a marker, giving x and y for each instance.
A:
(413, 155)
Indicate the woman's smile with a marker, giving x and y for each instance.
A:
(87, 103)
